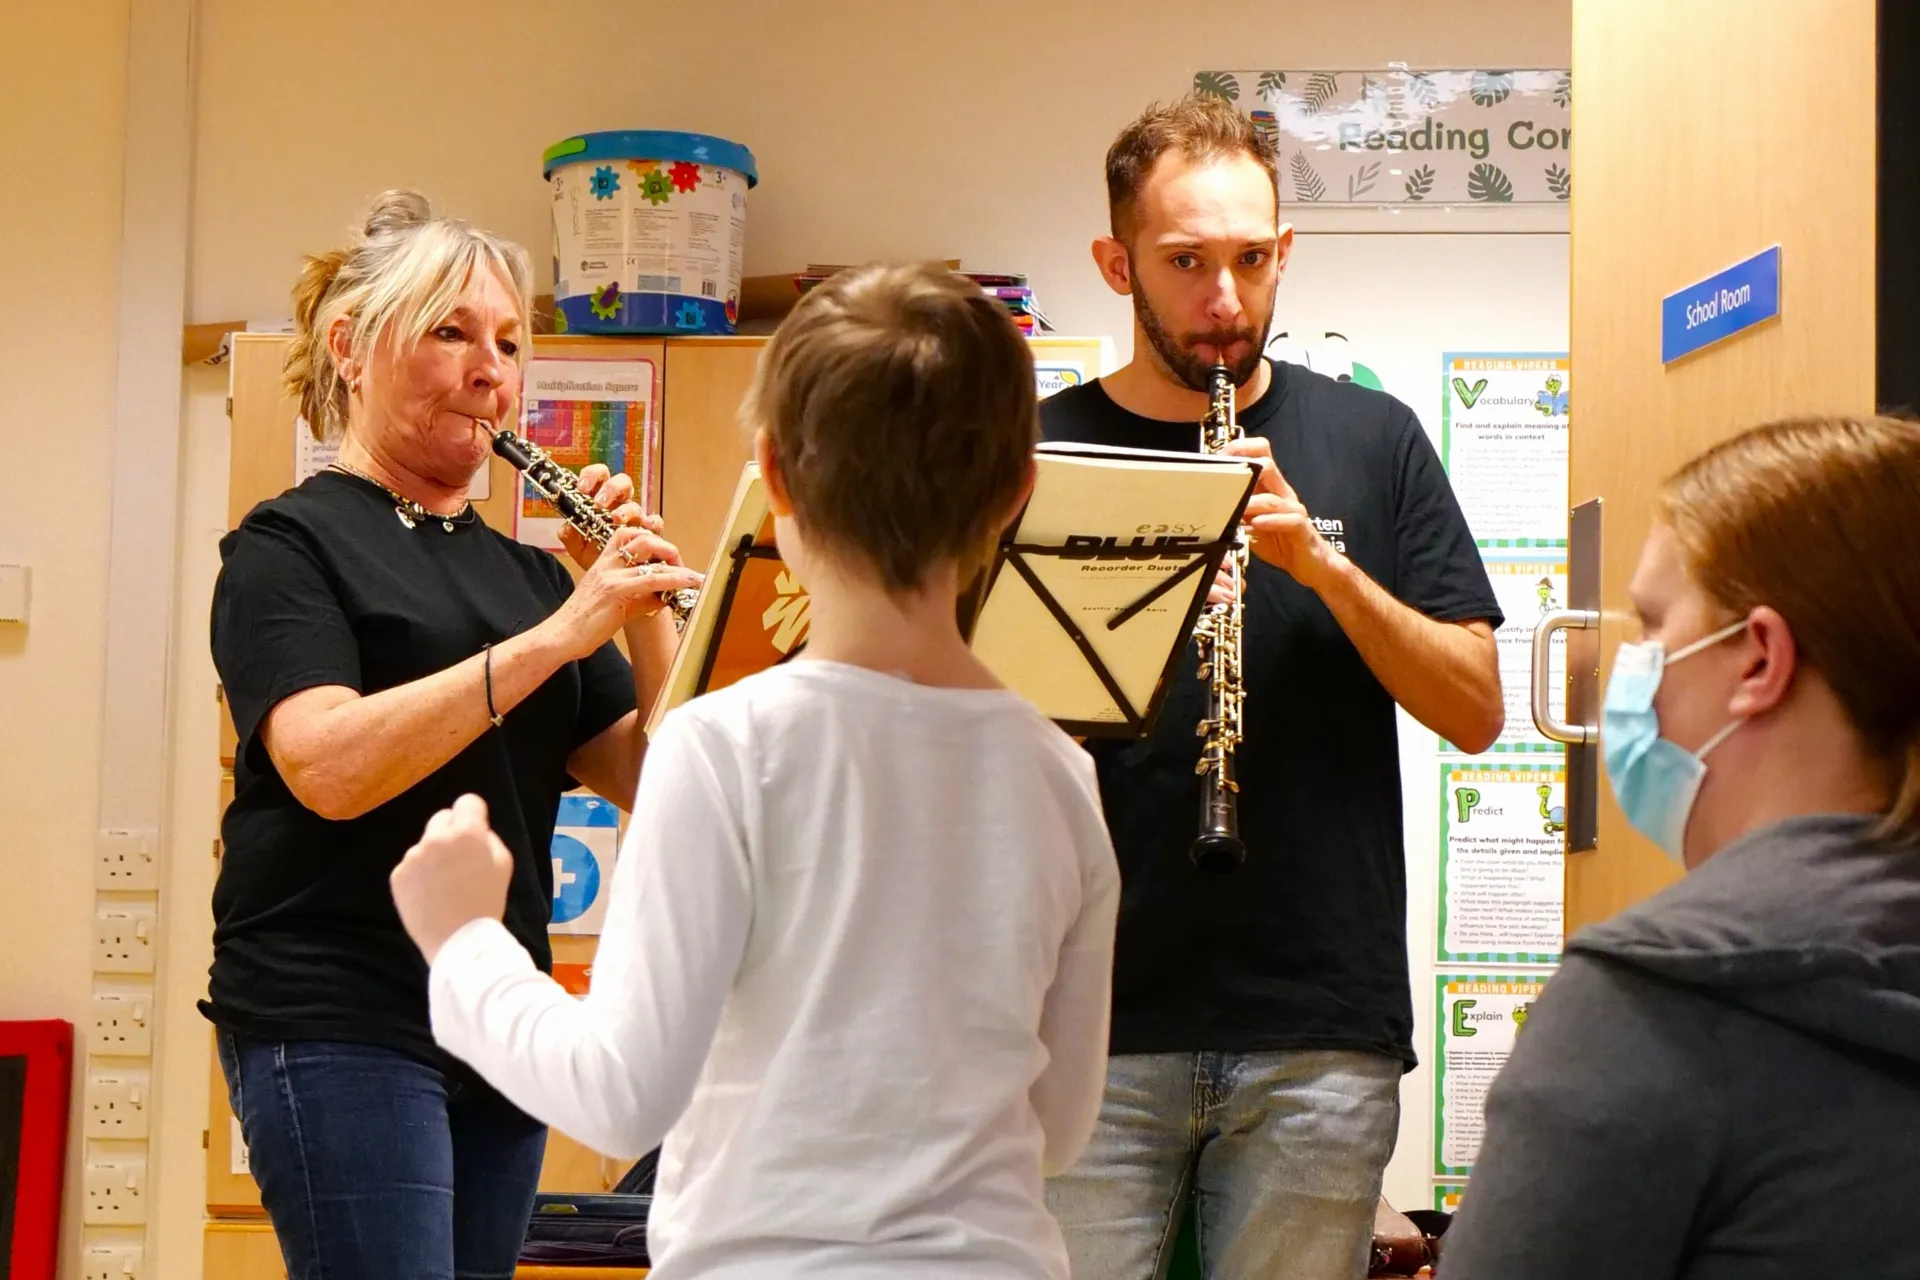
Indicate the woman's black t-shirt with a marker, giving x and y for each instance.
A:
(324, 585)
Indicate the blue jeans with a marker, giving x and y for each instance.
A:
(372, 1163)
(1282, 1153)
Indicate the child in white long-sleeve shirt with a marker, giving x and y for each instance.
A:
(856, 961)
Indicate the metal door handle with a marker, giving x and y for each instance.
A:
(1551, 729)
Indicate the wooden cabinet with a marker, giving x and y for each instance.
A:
(248, 1251)
(231, 1190)
(242, 1251)
(704, 442)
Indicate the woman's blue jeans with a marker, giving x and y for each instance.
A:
(373, 1163)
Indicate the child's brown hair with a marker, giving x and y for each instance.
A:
(900, 406)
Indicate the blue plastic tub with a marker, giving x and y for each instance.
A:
(649, 227)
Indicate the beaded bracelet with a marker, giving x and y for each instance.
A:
(492, 715)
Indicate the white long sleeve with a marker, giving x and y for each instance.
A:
(855, 967)
(615, 1070)
(1073, 1026)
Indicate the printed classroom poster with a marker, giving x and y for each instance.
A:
(1527, 589)
(582, 411)
(1503, 440)
(310, 456)
(586, 840)
(1502, 878)
(1054, 376)
(1395, 136)
(1478, 1020)
(1446, 1196)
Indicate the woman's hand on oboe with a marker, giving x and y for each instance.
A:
(613, 494)
(614, 591)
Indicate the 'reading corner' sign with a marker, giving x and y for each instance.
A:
(1396, 136)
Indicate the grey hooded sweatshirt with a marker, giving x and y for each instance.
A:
(1722, 1081)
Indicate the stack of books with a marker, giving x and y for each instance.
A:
(1009, 288)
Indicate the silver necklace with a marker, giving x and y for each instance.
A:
(411, 513)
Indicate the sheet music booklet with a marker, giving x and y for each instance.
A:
(1086, 609)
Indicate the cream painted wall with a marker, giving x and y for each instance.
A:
(974, 130)
(61, 123)
(882, 129)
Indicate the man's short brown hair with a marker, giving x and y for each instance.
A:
(1200, 127)
(902, 412)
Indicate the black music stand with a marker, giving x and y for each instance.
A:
(1117, 548)
(1085, 610)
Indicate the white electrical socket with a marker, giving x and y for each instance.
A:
(116, 1191)
(117, 1100)
(119, 1260)
(122, 1020)
(127, 859)
(123, 937)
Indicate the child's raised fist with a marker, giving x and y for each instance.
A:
(457, 873)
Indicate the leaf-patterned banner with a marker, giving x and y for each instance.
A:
(1398, 136)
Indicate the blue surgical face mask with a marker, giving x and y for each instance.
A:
(1654, 779)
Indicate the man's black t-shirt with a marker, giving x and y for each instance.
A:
(325, 586)
(1305, 945)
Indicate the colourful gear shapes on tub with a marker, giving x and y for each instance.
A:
(685, 175)
(689, 317)
(605, 182)
(733, 308)
(656, 187)
(559, 320)
(606, 302)
(640, 167)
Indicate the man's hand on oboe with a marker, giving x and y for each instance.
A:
(1281, 532)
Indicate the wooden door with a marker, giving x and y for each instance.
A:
(1705, 131)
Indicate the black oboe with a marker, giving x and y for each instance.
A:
(558, 486)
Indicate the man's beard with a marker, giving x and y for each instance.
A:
(1178, 357)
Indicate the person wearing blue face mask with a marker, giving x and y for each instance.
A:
(1654, 779)
(1724, 1080)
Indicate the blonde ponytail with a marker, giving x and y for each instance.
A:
(311, 378)
(401, 279)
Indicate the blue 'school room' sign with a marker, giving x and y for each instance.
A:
(1720, 306)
